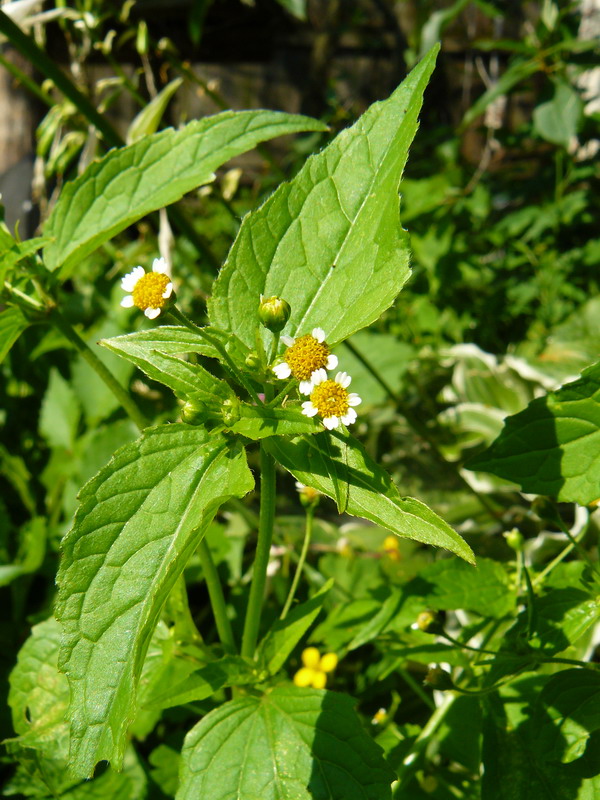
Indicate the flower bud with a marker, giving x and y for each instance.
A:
(252, 360)
(193, 413)
(438, 679)
(514, 539)
(274, 312)
(429, 622)
(230, 410)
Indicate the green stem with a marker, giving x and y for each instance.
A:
(181, 317)
(274, 346)
(30, 84)
(217, 598)
(416, 687)
(310, 513)
(560, 557)
(419, 428)
(286, 390)
(577, 545)
(20, 298)
(263, 548)
(97, 365)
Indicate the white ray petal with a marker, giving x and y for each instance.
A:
(305, 387)
(168, 291)
(152, 313)
(308, 409)
(318, 376)
(318, 334)
(160, 265)
(332, 362)
(343, 379)
(288, 340)
(127, 301)
(330, 422)
(354, 399)
(282, 370)
(349, 417)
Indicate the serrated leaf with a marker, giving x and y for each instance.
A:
(132, 181)
(553, 446)
(321, 460)
(258, 422)
(138, 522)
(329, 242)
(290, 744)
(189, 381)
(285, 634)
(12, 325)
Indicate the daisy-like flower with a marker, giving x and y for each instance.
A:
(148, 291)
(304, 357)
(331, 400)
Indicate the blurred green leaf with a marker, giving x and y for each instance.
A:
(557, 121)
(552, 447)
(148, 120)
(12, 325)
(32, 549)
(60, 412)
(289, 744)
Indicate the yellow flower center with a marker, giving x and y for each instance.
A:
(305, 356)
(148, 291)
(330, 399)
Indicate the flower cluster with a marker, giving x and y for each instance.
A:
(315, 669)
(307, 359)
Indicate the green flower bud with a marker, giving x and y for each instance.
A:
(274, 312)
(230, 411)
(193, 413)
(438, 679)
(429, 622)
(252, 360)
(514, 539)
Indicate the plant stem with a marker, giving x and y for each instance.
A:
(263, 548)
(181, 317)
(217, 599)
(581, 550)
(65, 327)
(30, 84)
(560, 557)
(310, 513)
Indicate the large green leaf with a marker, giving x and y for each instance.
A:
(330, 241)
(139, 521)
(328, 461)
(553, 446)
(132, 181)
(12, 325)
(257, 422)
(152, 356)
(290, 744)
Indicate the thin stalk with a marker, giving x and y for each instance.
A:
(286, 390)
(28, 82)
(181, 317)
(560, 557)
(416, 687)
(263, 548)
(105, 374)
(22, 298)
(420, 428)
(274, 346)
(310, 513)
(577, 545)
(217, 598)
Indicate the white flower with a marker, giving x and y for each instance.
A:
(149, 291)
(331, 400)
(303, 357)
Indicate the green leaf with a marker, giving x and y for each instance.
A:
(518, 71)
(290, 744)
(566, 714)
(148, 120)
(32, 549)
(296, 7)
(321, 460)
(151, 354)
(12, 325)
(557, 121)
(285, 634)
(329, 242)
(138, 523)
(60, 412)
(184, 683)
(132, 181)
(453, 584)
(18, 251)
(553, 446)
(257, 422)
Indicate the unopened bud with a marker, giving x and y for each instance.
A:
(230, 410)
(274, 312)
(252, 360)
(429, 622)
(193, 413)
(514, 539)
(438, 679)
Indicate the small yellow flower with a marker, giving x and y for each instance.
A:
(331, 400)
(303, 357)
(148, 291)
(391, 547)
(315, 669)
(379, 717)
(308, 496)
